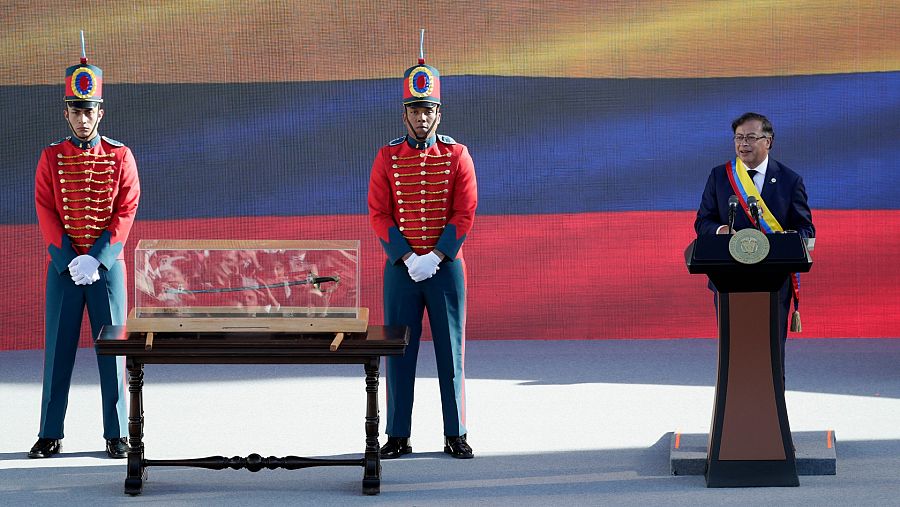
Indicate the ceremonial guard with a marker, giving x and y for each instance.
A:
(422, 200)
(86, 194)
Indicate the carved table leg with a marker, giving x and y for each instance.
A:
(372, 460)
(134, 480)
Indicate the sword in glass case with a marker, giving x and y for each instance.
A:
(315, 281)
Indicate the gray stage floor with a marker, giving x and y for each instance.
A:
(551, 422)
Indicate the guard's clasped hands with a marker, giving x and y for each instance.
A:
(422, 267)
(84, 270)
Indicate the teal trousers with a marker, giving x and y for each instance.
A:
(443, 296)
(105, 300)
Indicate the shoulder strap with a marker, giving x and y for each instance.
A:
(113, 142)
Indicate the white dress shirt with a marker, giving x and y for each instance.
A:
(760, 178)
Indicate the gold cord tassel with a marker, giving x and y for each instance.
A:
(796, 327)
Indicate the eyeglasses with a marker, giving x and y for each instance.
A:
(750, 138)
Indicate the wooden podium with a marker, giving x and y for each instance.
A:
(750, 438)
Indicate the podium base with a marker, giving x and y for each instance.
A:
(815, 453)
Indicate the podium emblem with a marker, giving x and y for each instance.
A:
(749, 246)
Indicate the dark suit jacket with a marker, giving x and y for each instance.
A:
(785, 199)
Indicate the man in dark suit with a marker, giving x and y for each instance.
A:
(779, 189)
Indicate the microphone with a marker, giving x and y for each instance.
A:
(732, 208)
(754, 210)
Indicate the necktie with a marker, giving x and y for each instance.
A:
(752, 173)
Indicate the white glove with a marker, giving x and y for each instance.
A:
(84, 270)
(424, 267)
(409, 261)
(82, 279)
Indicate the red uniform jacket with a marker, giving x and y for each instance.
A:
(86, 200)
(422, 199)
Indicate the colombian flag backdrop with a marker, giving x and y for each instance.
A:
(593, 127)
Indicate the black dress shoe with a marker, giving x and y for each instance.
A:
(458, 447)
(395, 447)
(117, 447)
(45, 447)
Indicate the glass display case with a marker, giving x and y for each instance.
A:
(216, 285)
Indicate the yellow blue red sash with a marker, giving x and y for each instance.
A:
(743, 187)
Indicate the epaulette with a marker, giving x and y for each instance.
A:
(113, 142)
(446, 139)
(397, 141)
(60, 141)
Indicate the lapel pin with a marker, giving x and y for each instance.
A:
(772, 180)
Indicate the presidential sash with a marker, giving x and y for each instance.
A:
(743, 187)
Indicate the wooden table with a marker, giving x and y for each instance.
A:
(251, 348)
